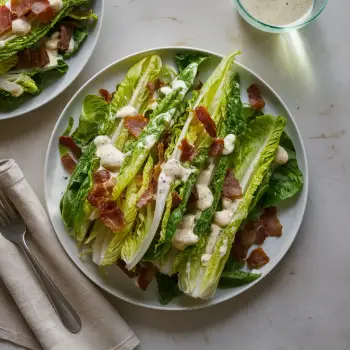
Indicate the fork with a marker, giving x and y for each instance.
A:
(13, 228)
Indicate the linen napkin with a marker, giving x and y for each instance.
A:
(24, 303)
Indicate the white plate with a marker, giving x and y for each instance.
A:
(117, 283)
(76, 64)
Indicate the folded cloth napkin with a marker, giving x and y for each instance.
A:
(24, 303)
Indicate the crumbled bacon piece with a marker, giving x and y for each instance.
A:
(255, 98)
(101, 176)
(66, 33)
(32, 58)
(271, 223)
(188, 151)
(248, 234)
(68, 162)
(69, 142)
(176, 200)
(238, 250)
(146, 275)
(122, 266)
(20, 7)
(42, 10)
(257, 258)
(216, 148)
(231, 188)
(135, 124)
(154, 86)
(111, 215)
(5, 19)
(106, 95)
(146, 196)
(205, 118)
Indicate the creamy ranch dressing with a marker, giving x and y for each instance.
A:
(279, 12)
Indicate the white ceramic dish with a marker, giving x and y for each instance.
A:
(117, 283)
(76, 65)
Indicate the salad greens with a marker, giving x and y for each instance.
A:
(18, 51)
(135, 200)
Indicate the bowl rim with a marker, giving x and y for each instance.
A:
(78, 71)
(213, 301)
(280, 28)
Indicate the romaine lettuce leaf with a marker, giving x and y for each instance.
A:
(167, 288)
(16, 84)
(8, 63)
(184, 59)
(94, 120)
(252, 157)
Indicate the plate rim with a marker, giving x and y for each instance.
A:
(78, 71)
(302, 205)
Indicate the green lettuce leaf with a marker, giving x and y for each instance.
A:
(8, 63)
(94, 120)
(232, 276)
(252, 157)
(167, 288)
(184, 59)
(16, 84)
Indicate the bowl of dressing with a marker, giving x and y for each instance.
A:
(278, 16)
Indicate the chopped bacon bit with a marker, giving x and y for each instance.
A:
(257, 258)
(238, 250)
(32, 58)
(146, 275)
(20, 7)
(188, 151)
(69, 142)
(101, 176)
(154, 86)
(106, 95)
(111, 216)
(249, 233)
(176, 200)
(271, 223)
(66, 33)
(135, 124)
(205, 118)
(5, 19)
(231, 188)
(43, 10)
(255, 98)
(261, 235)
(199, 86)
(122, 265)
(216, 148)
(146, 197)
(68, 162)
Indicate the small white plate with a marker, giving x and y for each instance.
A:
(117, 283)
(76, 64)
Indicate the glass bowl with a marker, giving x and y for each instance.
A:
(318, 7)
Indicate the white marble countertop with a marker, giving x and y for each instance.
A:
(304, 303)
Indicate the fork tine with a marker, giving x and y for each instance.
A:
(7, 210)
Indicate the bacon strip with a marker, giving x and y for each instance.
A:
(135, 124)
(68, 162)
(216, 148)
(188, 151)
(231, 188)
(257, 259)
(69, 142)
(271, 223)
(154, 86)
(5, 19)
(20, 7)
(32, 58)
(106, 95)
(146, 275)
(205, 118)
(101, 176)
(255, 98)
(66, 33)
(176, 200)
(42, 10)
(111, 216)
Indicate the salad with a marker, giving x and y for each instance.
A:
(36, 38)
(176, 180)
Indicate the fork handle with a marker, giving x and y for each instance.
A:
(64, 310)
